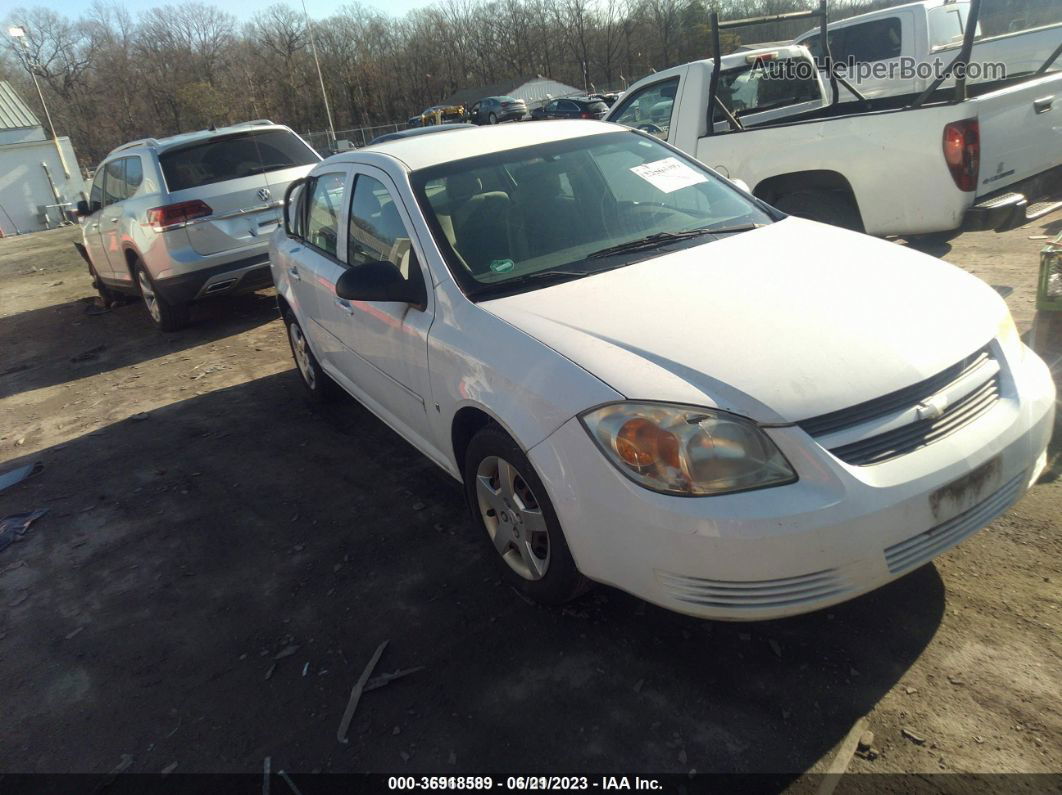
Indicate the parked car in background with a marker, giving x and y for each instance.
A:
(179, 219)
(608, 98)
(646, 377)
(571, 108)
(434, 128)
(887, 166)
(441, 114)
(413, 121)
(491, 110)
(926, 32)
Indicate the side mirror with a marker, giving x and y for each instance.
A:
(740, 183)
(382, 281)
(83, 208)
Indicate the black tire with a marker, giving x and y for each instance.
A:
(320, 388)
(828, 207)
(491, 118)
(933, 240)
(561, 581)
(166, 316)
(108, 297)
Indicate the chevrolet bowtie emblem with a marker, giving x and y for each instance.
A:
(932, 408)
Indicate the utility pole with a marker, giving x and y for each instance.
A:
(19, 32)
(324, 94)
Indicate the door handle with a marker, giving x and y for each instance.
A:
(293, 272)
(1043, 104)
(113, 220)
(345, 306)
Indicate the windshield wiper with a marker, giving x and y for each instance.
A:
(662, 238)
(557, 276)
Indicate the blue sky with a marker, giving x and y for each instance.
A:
(244, 9)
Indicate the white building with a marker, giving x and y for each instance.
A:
(39, 177)
(532, 90)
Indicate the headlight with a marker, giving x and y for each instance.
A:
(687, 450)
(1009, 339)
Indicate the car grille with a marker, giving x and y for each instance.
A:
(879, 447)
(915, 551)
(755, 594)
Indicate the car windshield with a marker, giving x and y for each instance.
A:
(520, 219)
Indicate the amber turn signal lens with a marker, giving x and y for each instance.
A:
(641, 443)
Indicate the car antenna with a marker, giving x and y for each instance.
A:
(213, 127)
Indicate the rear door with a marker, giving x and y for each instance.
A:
(124, 178)
(242, 177)
(1020, 131)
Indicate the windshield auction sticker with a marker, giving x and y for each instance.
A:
(669, 175)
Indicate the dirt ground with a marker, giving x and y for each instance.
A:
(219, 562)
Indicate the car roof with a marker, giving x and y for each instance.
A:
(413, 131)
(417, 152)
(182, 139)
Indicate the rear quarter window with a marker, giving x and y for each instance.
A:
(233, 157)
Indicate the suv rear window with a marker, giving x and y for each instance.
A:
(232, 157)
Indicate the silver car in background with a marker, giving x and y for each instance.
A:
(178, 219)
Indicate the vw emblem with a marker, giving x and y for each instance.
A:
(932, 408)
(264, 194)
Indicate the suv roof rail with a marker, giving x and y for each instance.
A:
(138, 142)
(253, 123)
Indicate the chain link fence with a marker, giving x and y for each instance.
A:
(358, 137)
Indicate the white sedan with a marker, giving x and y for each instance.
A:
(646, 377)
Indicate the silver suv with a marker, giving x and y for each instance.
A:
(178, 219)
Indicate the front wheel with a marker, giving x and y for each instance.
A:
(167, 316)
(510, 506)
(492, 118)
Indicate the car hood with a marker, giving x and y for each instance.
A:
(786, 322)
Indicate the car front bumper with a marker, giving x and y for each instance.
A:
(838, 532)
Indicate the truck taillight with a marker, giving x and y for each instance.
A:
(162, 218)
(962, 152)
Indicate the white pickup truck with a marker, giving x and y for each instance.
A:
(907, 166)
(898, 50)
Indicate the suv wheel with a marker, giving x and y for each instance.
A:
(515, 517)
(167, 316)
(320, 387)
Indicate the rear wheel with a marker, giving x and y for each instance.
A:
(516, 518)
(319, 386)
(167, 316)
(828, 207)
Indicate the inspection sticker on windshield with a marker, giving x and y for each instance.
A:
(669, 175)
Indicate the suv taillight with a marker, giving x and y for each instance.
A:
(962, 152)
(585, 115)
(162, 218)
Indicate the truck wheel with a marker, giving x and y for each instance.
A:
(167, 316)
(828, 207)
(516, 519)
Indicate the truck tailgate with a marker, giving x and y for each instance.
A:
(1021, 131)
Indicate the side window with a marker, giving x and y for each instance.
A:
(878, 40)
(114, 182)
(322, 216)
(376, 230)
(134, 175)
(650, 108)
(96, 194)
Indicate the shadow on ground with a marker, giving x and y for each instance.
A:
(183, 553)
(35, 356)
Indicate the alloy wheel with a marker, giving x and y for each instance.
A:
(513, 518)
(151, 301)
(302, 355)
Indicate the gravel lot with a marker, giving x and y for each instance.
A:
(219, 562)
